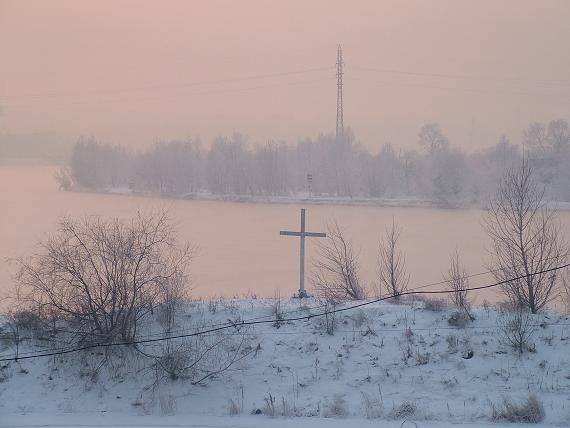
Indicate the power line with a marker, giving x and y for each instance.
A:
(561, 82)
(168, 86)
(238, 325)
(167, 96)
(562, 96)
(271, 318)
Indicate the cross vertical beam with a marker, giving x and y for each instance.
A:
(302, 292)
(302, 234)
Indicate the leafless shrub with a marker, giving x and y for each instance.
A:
(272, 407)
(409, 335)
(516, 329)
(233, 408)
(422, 358)
(19, 326)
(391, 263)
(372, 406)
(277, 310)
(528, 411)
(336, 408)
(335, 276)
(526, 239)
(198, 358)
(212, 305)
(458, 282)
(5, 373)
(359, 318)
(435, 305)
(458, 319)
(467, 351)
(329, 320)
(167, 404)
(287, 409)
(11, 335)
(173, 294)
(103, 276)
(452, 343)
(404, 410)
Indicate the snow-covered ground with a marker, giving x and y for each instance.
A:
(385, 363)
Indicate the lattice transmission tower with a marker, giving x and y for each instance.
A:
(339, 107)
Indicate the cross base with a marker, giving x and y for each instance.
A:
(302, 294)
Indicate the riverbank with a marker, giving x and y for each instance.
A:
(313, 200)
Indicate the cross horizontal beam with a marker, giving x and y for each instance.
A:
(311, 234)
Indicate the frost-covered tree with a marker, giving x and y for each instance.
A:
(102, 276)
(458, 282)
(336, 275)
(391, 263)
(431, 138)
(526, 239)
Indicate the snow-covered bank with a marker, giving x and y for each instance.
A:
(297, 199)
(312, 200)
(386, 361)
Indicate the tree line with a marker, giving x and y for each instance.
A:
(435, 171)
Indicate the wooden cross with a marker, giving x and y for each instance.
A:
(302, 234)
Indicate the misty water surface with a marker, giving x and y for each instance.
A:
(240, 247)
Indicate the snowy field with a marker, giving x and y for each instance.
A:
(392, 365)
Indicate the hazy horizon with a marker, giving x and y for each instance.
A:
(136, 72)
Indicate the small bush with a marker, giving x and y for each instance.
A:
(5, 373)
(359, 319)
(233, 408)
(422, 358)
(458, 319)
(528, 411)
(373, 407)
(273, 408)
(516, 329)
(270, 407)
(452, 343)
(27, 321)
(336, 408)
(167, 404)
(330, 320)
(435, 305)
(406, 409)
(277, 310)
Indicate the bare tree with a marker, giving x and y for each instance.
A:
(103, 276)
(525, 238)
(392, 273)
(335, 276)
(565, 289)
(458, 282)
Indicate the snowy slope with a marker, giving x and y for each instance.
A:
(379, 357)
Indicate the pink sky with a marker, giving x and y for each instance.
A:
(131, 72)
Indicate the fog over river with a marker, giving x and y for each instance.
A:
(240, 249)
